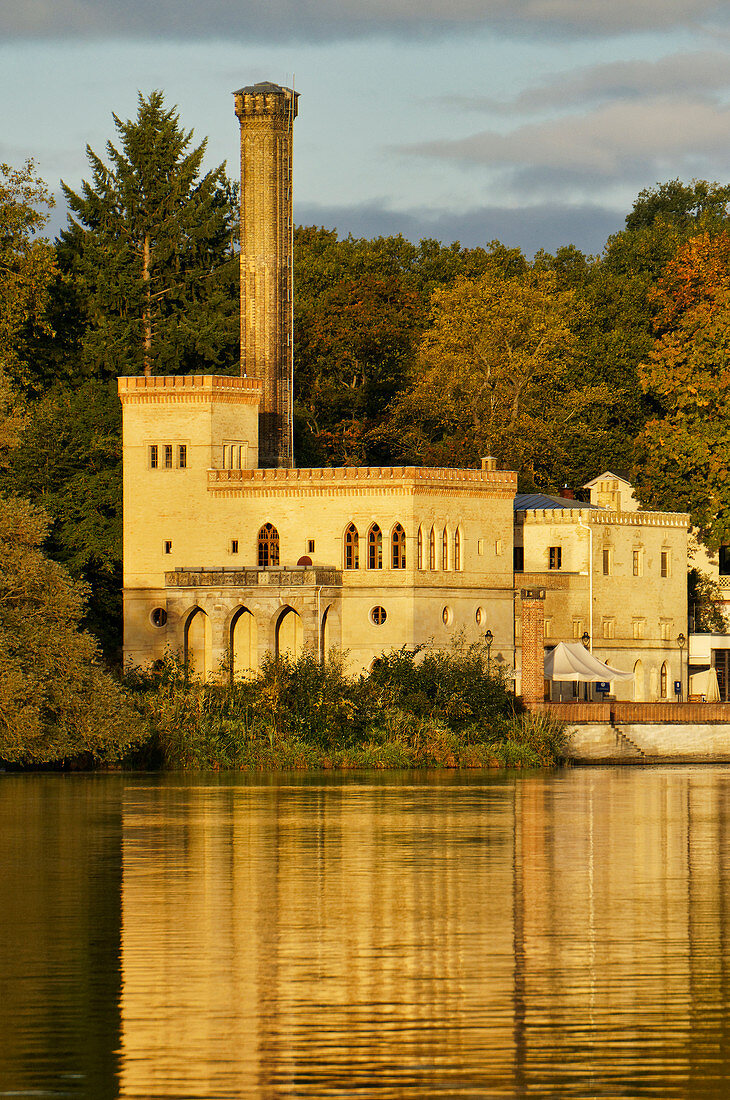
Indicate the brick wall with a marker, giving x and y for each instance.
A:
(533, 650)
(637, 713)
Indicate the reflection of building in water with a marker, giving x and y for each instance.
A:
(60, 854)
(283, 940)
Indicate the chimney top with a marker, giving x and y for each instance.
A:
(489, 463)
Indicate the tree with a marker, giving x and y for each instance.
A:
(150, 253)
(494, 376)
(680, 203)
(27, 265)
(56, 703)
(683, 452)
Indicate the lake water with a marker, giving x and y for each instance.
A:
(483, 934)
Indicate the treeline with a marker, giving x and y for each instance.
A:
(560, 366)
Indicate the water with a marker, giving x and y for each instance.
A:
(413, 935)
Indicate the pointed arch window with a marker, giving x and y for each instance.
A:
(398, 547)
(445, 549)
(663, 677)
(268, 546)
(457, 548)
(375, 547)
(352, 548)
(419, 553)
(432, 549)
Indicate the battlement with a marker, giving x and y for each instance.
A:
(352, 478)
(189, 387)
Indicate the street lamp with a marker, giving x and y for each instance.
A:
(680, 642)
(489, 638)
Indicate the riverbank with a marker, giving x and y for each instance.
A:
(436, 710)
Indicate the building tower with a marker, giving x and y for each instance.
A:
(266, 113)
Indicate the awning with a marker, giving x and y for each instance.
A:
(572, 661)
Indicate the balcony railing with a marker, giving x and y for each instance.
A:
(205, 576)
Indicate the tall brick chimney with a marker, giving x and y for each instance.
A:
(533, 644)
(266, 113)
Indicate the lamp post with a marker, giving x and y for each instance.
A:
(680, 642)
(489, 638)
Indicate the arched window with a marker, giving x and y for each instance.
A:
(663, 681)
(375, 547)
(420, 548)
(352, 548)
(268, 546)
(457, 548)
(445, 549)
(432, 549)
(398, 547)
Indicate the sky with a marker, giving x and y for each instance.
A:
(534, 122)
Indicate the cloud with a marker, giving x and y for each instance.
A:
(619, 142)
(530, 228)
(322, 20)
(677, 75)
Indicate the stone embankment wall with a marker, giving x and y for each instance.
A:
(645, 733)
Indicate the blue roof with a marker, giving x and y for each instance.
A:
(541, 502)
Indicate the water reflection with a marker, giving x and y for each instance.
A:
(473, 936)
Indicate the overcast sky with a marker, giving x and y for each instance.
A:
(532, 121)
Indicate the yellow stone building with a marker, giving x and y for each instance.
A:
(231, 552)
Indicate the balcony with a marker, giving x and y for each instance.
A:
(214, 576)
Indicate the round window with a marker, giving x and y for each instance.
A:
(447, 616)
(479, 616)
(158, 616)
(378, 615)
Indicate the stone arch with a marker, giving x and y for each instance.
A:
(289, 634)
(325, 639)
(197, 643)
(639, 682)
(243, 643)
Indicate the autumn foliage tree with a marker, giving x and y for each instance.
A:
(683, 451)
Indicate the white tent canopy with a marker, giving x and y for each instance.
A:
(572, 661)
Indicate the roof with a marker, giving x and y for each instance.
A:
(540, 502)
(264, 87)
(622, 475)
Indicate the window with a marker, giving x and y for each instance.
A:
(234, 546)
(480, 616)
(398, 547)
(378, 615)
(447, 616)
(480, 547)
(519, 559)
(432, 549)
(419, 552)
(182, 456)
(665, 630)
(352, 548)
(606, 562)
(154, 457)
(609, 628)
(457, 548)
(268, 546)
(636, 563)
(168, 546)
(548, 628)
(638, 627)
(577, 629)
(665, 563)
(310, 546)
(158, 616)
(499, 548)
(663, 678)
(235, 456)
(445, 564)
(555, 557)
(375, 547)
(168, 456)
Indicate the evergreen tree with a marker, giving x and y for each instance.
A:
(150, 253)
